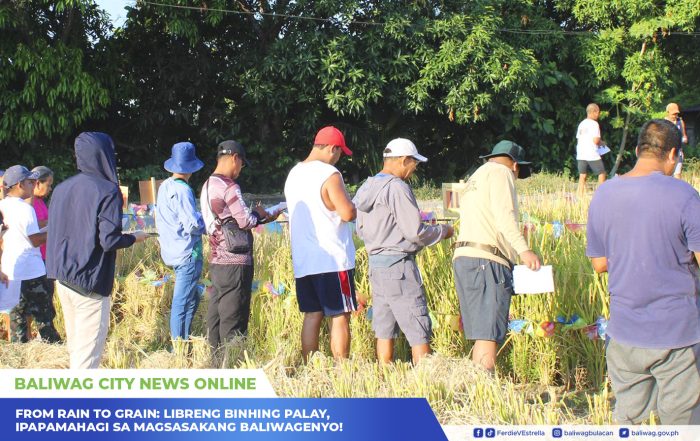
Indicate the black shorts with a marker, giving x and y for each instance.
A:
(330, 293)
(596, 166)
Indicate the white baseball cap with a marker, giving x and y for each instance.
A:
(403, 147)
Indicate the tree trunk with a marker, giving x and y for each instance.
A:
(623, 142)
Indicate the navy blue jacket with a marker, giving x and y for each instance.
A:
(85, 230)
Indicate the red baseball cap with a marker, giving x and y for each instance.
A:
(330, 135)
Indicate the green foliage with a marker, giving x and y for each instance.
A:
(47, 86)
(454, 76)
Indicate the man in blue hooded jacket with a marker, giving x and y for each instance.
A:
(83, 238)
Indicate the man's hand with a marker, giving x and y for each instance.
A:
(450, 231)
(260, 211)
(140, 236)
(4, 279)
(530, 259)
(274, 216)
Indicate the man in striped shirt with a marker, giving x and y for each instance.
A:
(231, 274)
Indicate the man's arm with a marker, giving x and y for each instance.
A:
(600, 264)
(37, 239)
(595, 245)
(245, 217)
(336, 198)
(192, 221)
(109, 225)
(596, 135)
(407, 214)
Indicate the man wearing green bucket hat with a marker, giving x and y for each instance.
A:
(488, 244)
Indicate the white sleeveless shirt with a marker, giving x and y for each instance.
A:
(321, 241)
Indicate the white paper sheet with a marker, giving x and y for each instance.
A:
(603, 150)
(526, 281)
(275, 208)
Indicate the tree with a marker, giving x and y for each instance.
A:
(48, 83)
(629, 53)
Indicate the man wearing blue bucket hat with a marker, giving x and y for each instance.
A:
(180, 228)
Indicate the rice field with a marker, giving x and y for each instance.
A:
(549, 371)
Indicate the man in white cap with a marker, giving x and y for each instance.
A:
(389, 222)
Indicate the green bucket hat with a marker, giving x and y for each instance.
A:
(515, 152)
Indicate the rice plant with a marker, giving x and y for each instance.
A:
(541, 378)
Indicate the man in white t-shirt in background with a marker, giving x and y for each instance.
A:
(21, 259)
(323, 253)
(588, 142)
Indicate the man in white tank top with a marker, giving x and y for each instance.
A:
(323, 253)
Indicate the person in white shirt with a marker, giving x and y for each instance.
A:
(323, 253)
(21, 260)
(588, 143)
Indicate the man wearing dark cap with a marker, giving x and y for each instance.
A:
(644, 230)
(84, 235)
(323, 253)
(231, 271)
(488, 244)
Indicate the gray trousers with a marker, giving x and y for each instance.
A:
(665, 381)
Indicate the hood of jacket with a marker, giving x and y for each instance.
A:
(94, 153)
(369, 192)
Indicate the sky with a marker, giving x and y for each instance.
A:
(115, 9)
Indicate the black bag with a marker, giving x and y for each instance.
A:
(237, 241)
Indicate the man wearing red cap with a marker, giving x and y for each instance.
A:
(323, 253)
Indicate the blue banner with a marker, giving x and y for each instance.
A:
(154, 419)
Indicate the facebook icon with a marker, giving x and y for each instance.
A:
(478, 432)
(624, 432)
(556, 432)
(490, 432)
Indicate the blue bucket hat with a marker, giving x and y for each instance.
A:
(183, 159)
(16, 174)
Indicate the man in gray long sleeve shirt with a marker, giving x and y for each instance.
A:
(389, 222)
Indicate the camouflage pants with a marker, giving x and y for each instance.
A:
(36, 300)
